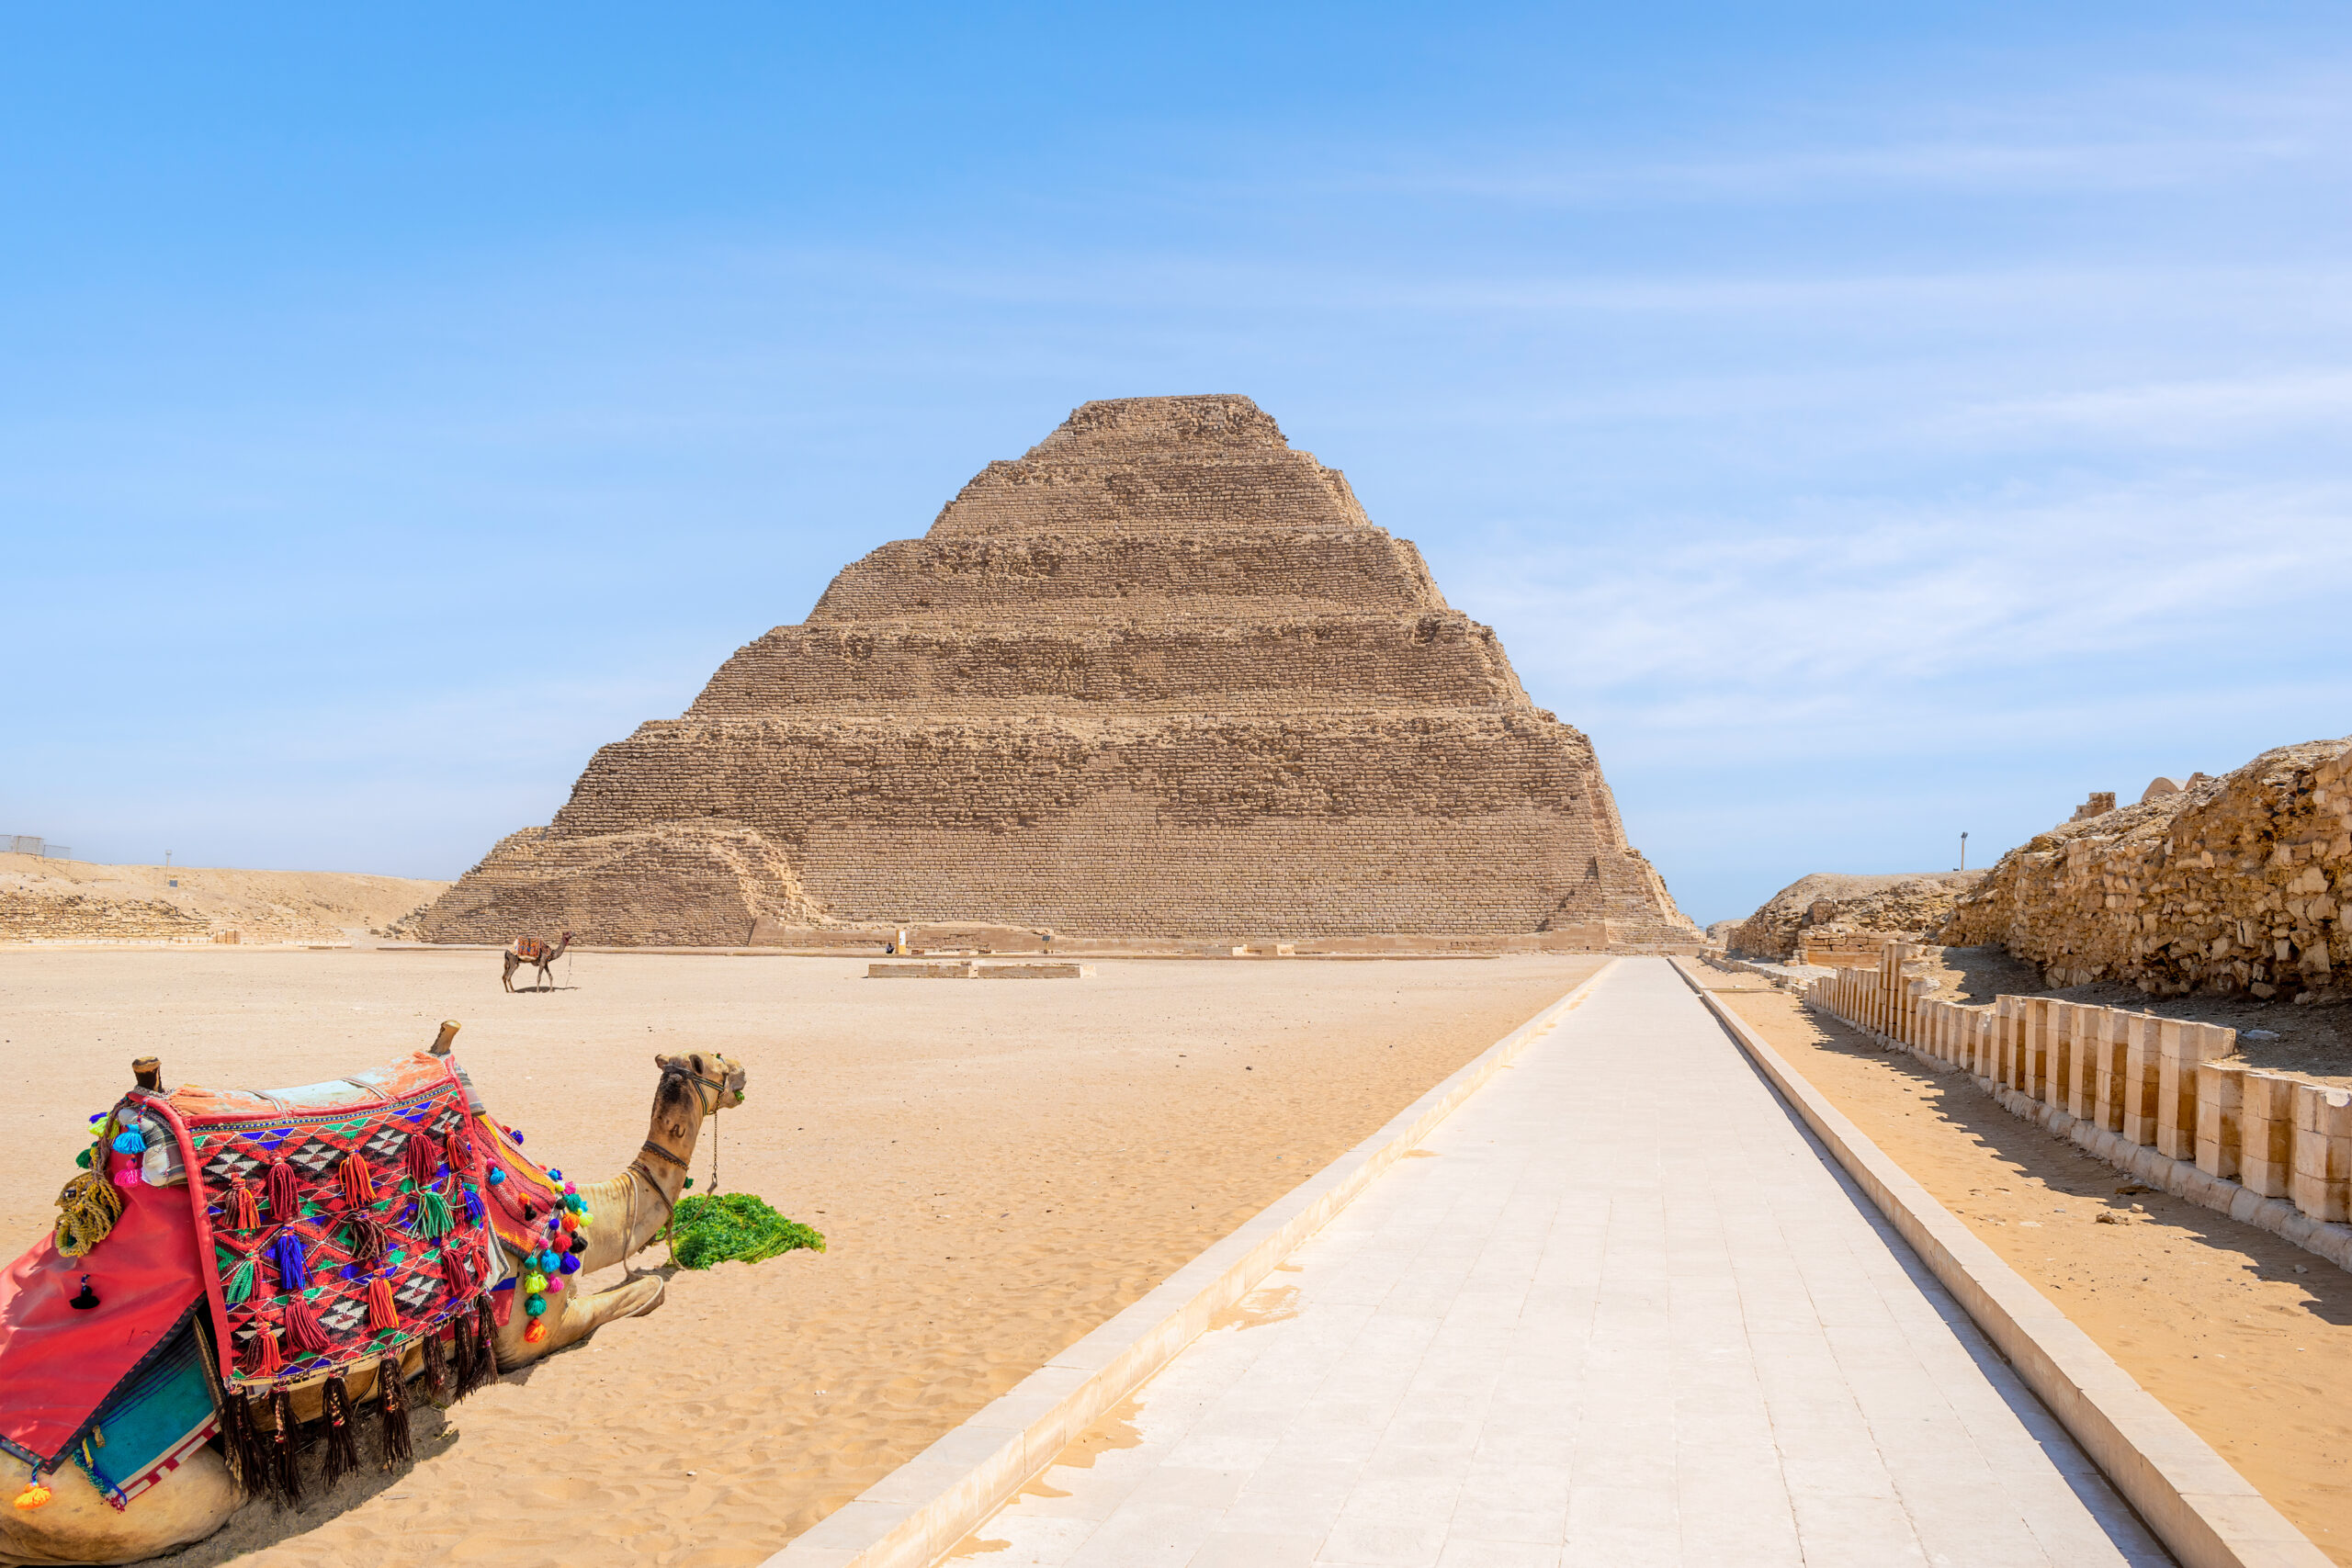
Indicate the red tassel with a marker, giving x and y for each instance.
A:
(244, 1206)
(285, 1197)
(460, 1149)
(359, 1181)
(457, 1267)
(302, 1330)
(383, 1313)
(267, 1363)
(423, 1159)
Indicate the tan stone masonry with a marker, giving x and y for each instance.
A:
(1160, 676)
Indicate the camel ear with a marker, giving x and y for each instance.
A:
(695, 1061)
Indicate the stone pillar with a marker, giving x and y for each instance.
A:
(2142, 1076)
(2034, 1065)
(2323, 1151)
(2185, 1047)
(2267, 1133)
(2005, 1039)
(2059, 1053)
(2110, 1068)
(2090, 1044)
(2221, 1127)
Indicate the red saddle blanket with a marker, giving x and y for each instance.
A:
(531, 950)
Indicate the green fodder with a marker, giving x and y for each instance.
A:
(710, 1229)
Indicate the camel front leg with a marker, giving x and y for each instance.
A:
(573, 1316)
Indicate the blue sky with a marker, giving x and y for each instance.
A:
(1866, 423)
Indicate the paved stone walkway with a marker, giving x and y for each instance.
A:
(1628, 1313)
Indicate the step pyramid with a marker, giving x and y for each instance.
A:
(1158, 678)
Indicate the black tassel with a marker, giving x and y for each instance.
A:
(391, 1408)
(343, 1445)
(242, 1445)
(486, 1327)
(469, 1358)
(435, 1372)
(285, 1473)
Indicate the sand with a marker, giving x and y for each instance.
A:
(2245, 1337)
(260, 906)
(1000, 1165)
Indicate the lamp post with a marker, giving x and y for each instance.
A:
(1963, 852)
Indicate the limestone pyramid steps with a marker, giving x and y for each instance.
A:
(1241, 573)
(1433, 660)
(1158, 677)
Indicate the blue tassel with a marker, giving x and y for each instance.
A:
(570, 1264)
(496, 1176)
(293, 1262)
(474, 1211)
(129, 1142)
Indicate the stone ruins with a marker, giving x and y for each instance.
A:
(1827, 914)
(2235, 883)
(1158, 678)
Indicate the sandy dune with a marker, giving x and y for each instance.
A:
(1000, 1166)
(260, 906)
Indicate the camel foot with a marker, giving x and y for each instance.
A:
(77, 1525)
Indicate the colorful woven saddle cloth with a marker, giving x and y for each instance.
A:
(539, 1218)
(531, 950)
(337, 1223)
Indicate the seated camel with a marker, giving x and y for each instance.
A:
(616, 1218)
(530, 950)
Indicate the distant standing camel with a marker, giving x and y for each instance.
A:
(531, 950)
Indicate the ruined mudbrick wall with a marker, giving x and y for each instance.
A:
(2231, 883)
(1158, 677)
(1825, 906)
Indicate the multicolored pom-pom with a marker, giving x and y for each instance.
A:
(536, 1306)
(496, 1176)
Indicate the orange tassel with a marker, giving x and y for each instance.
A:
(268, 1363)
(33, 1495)
(537, 1332)
(244, 1206)
(359, 1181)
(381, 1311)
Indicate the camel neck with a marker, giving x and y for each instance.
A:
(631, 1208)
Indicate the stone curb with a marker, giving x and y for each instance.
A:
(2204, 1511)
(921, 1509)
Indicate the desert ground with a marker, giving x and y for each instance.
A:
(998, 1167)
(2244, 1336)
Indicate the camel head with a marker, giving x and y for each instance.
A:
(693, 1086)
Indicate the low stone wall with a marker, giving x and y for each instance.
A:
(79, 918)
(2151, 1096)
